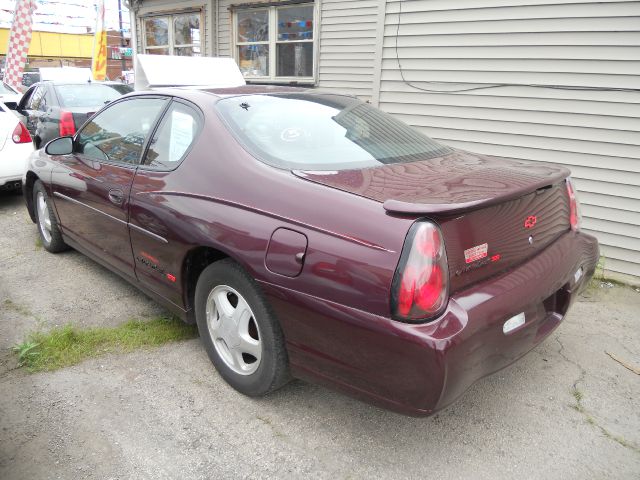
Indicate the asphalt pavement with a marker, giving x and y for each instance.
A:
(164, 413)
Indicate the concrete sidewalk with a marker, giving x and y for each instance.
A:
(165, 413)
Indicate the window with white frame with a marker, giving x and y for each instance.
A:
(177, 34)
(275, 42)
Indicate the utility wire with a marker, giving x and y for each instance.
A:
(493, 85)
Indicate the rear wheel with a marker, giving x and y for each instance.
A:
(241, 335)
(46, 221)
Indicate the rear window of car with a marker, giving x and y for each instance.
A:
(87, 95)
(323, 132)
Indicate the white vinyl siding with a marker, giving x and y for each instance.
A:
(347, 51)
(584, 44)
(224, 32)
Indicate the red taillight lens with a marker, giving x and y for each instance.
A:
(67, 125)
(574, 207)
(20, 134)
(420, 286)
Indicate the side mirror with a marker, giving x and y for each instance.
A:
(59, 146)
(11, 105)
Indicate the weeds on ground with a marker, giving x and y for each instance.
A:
(578, 395)
(69, 345)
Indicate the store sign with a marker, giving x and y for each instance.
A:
(117, 53)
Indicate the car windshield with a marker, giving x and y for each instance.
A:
(88, 95)
(323, 132)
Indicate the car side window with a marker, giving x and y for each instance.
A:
(44, 101)
(117, 134)
(173, 138)
(36, 99)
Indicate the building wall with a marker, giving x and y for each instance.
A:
(347, 46)
(346, 42)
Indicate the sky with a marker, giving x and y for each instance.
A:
(68, 16)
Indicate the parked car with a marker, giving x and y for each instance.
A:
(52, 109)
(311, 235)
(9, 95)
(15, 148)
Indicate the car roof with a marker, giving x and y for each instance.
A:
(216, 94)
(68, 82)
(231, 91)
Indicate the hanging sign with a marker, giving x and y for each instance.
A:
(19, 41)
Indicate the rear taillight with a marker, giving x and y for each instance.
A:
(67, 126)
(20, 134)
(574, 207)
(419, 290)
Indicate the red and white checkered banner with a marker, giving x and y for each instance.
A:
(19, 41)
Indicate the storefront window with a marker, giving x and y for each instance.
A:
(183, 39)
(276, 43)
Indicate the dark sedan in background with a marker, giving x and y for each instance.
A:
(53, 109)
(311, 235)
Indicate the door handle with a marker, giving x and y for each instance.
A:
(116, 197)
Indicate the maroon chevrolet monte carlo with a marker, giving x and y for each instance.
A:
(311, 235)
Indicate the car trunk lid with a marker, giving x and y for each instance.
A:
(494, 213)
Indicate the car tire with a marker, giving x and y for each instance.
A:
(239, 331)
(46, 220)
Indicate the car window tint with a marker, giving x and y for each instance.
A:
(172, 140)
(323, 132)
(118, 133)
(87, 95)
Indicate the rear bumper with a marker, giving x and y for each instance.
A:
(418, 369)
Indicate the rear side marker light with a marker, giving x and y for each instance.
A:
(574, 207)
(67, 125)
(578, 275)
(419, 290)
(513, 323)
(20, 134)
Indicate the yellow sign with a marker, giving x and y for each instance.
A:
(99, 66)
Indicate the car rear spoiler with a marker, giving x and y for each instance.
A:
(453, 208)
(157, 71)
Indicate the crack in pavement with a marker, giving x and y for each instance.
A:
(579, 407)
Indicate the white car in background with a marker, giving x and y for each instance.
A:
(8, 94)
(15, 147)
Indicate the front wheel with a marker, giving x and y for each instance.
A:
(240, 334)
(46, 220)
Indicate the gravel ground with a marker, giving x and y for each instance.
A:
(165, 413)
